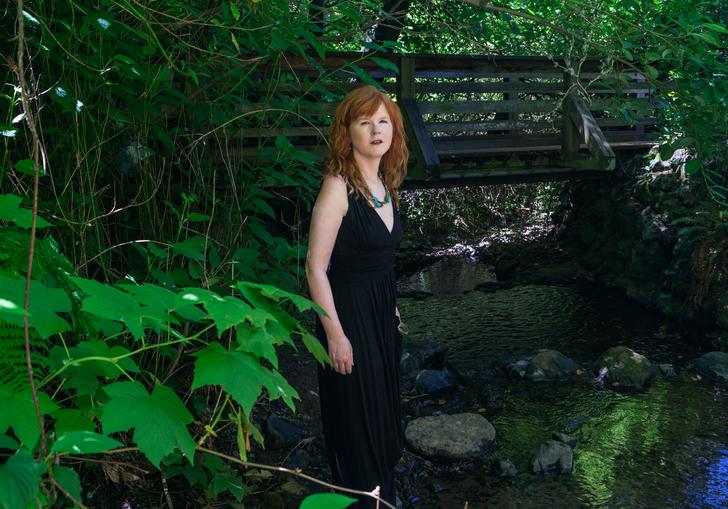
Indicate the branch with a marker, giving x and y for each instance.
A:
(20, 73)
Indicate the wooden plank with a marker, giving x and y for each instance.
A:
(406, 79)
(452, 73)
(258, 132)
(516, 106)
(490, 125)
(483, 146)
(577, 113)
(475, 178)
(487, 87)
(420, 140)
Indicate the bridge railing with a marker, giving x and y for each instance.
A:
(472, 115)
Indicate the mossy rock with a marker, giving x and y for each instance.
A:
(626, 369)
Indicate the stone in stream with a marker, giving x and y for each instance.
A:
(564, 439)
(409, 366)
(550, 366)
(624, 369)
(451, 437)
(552, 457)
(503, 468)
(431, 355)
(713, 365)
(435, 381)
(280, 433)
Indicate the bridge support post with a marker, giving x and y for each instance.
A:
(428, 162)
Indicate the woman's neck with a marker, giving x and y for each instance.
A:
(368, 168)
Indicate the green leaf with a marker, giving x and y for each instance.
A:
(326, 501)
(7, 442)
(234, 11)
(652, 72)
(192, 248)
(26, 166)
(84, 442)
(314, 42)
(707, 37)
(228, 312)
(241, 375)
(230, 483)
(109, 302)
(196, 216)
(18, 412)
(68, 479)
(10, 210)
(159, 419)
(276, 294)
(693, 166)
(386, 64)
(314, 346)
(83, 376)
(363, 76)
(19, 480)
(71, 419)
(257, 341)
(44, 305)
(715, 27)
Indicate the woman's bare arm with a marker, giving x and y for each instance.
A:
(328, 212)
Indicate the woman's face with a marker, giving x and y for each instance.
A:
(371, 136)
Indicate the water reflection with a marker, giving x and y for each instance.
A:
(667, 447)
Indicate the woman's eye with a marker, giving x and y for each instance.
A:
(384, 121)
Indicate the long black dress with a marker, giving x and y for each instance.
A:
(361, 412)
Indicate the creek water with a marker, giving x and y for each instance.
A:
(666, 447)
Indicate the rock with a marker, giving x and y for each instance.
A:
(490, 397)
(667, 370)
(409, 366)
(292, 492)
(713, 365)
(622, 368)
(280, 433)
(434, 381)
(564, 439)
(503, 468)
(451, 437)
(432, 356)
(549, 366)
(552, 457)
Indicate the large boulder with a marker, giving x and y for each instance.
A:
(714, 365)
(624, 369)
(550, 366)
(451, 437)
(552, 457)
(409, 366)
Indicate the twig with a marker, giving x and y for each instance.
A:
(247, 464)
(68, 495)
(20, 72)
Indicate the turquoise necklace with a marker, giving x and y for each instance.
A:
(378, 204)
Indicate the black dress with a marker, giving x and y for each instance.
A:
(361, 412)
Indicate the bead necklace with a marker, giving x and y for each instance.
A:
(378, 204)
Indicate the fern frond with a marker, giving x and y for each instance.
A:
(13, 368)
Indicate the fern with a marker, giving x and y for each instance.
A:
(13, 368)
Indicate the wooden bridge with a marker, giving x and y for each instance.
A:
(473, 119)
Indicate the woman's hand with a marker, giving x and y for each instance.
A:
(342, 356)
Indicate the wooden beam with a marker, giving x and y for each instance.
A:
(577, 114)
(428, 161)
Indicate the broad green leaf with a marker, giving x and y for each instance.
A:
(196, 216)
(693, 166)
(228, 312)
(71, 419)
(84, 442)
(314, 42)
(276, 294)
(10, 210)
(109, 302)
(192, 248)
(26, 166)
(19, 480)
(44, 305)
(241, 375)
(18, 412)
(159, 419)
(386, 64)
(363, 76)
(327, 501)
(230, 483)
(707, 37)
(7, 442)
(314, 346)
(257, 341)
(69, 481)
(652, 72)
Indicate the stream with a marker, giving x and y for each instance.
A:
(666, 447)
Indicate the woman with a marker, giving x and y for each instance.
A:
(350, 268)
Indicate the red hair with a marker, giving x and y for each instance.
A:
(365, 101)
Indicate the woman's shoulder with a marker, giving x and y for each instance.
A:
(334, 192)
